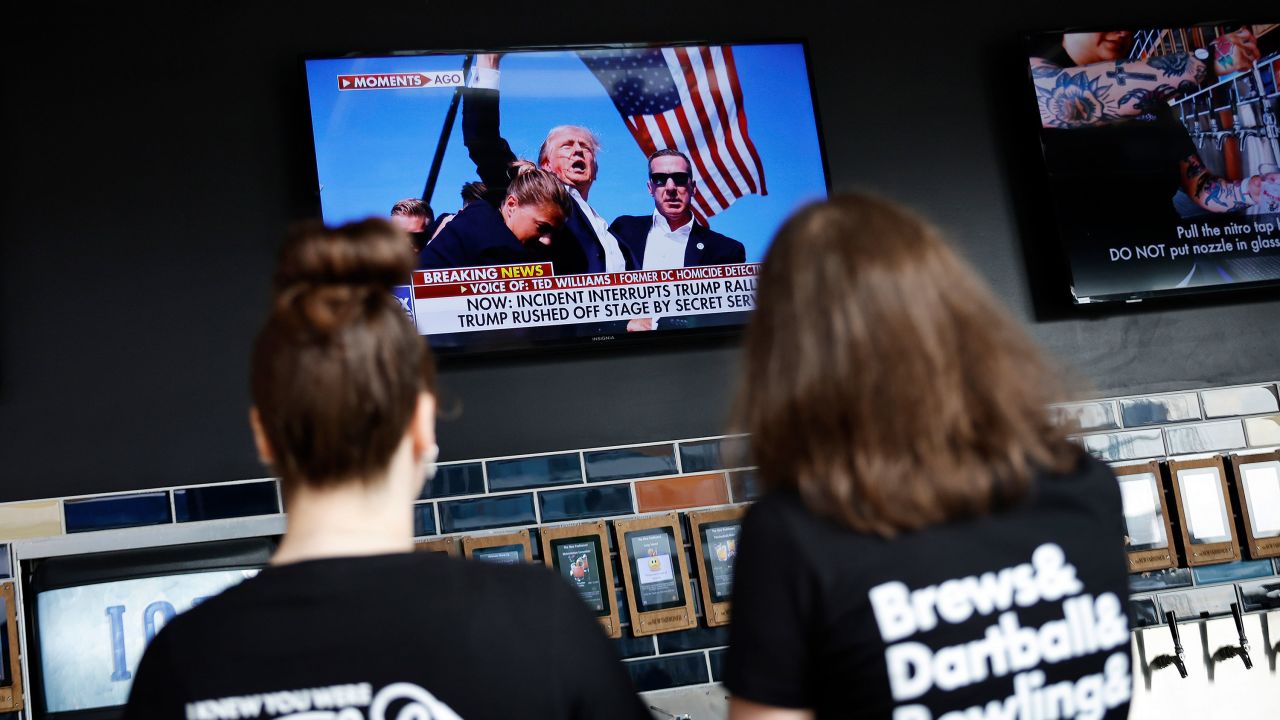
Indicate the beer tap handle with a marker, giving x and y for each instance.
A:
(1179, 659)
(1244, 639)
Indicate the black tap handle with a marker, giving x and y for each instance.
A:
(1171, 619)
(1244, 639)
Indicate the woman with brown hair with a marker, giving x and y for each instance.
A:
(930, 546)
(347, 622)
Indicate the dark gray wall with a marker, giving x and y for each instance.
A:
(153, 162)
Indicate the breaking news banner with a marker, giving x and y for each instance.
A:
(504, 297)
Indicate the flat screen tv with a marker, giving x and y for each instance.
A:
(90, 617)
(633, 249)
(1163, 156)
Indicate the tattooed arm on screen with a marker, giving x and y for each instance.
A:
(1109, 92)
(1216, 194)
(1098, 93)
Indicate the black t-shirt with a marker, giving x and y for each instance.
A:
(1025, 606)
(374, 637)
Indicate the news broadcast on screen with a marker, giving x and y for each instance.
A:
(571, 195)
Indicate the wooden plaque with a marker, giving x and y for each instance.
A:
(655, 575)
(1258, 483)
(1204, 508)
(580, 554)
(506, 548)
(1148, 536)
(715, 546)
(11, 685)
(447, 545)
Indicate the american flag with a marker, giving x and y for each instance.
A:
(689, 99)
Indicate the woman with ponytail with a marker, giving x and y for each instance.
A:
(347, 622)
(509, 225)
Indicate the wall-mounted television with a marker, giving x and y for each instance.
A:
(90, 617)
(1163, 156)
(640, 249)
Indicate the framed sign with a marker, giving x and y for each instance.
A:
(446, 545)
(580, 555)
(1200, 489)
(1148, 536)
(1258, 480)
(655, 575)
(11, 680)
(715, 547)
(505, 549)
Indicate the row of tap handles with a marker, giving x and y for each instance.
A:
(1267, 130)
(1179, 660)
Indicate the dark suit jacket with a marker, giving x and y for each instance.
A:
(705, 246)
(477, 236)
(575, 246)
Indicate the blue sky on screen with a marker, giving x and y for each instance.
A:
(374, 147)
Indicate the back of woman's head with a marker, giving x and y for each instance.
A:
(338, 367)
(883, 381)
(531, 185)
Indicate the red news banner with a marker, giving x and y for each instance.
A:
(517, 296)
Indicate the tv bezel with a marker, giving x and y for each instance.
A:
(503, 344)
(245, 553)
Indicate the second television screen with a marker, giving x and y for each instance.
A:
(608, 243)
(1163, 156)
